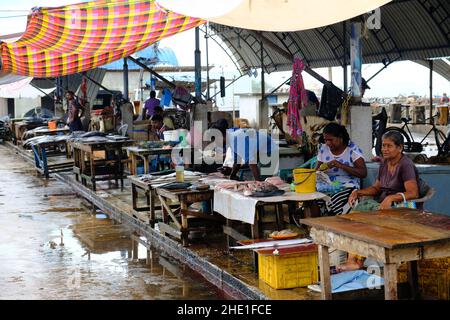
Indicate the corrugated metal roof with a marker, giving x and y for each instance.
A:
(410, 30)
(439, 66)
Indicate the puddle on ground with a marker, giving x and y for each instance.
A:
(55, 249)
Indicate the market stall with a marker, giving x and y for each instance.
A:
(99, 159)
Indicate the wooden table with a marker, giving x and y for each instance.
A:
(137, 153)
(43, 150)
(51, 132)
(388, 236)
(148, 190)
(87, 168)
(19, 127)
(185, 197)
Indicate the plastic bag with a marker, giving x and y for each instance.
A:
(181, 97)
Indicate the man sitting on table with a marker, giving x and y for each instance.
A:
(252, 147)
(158, 127)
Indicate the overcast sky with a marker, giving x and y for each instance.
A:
(399, 78)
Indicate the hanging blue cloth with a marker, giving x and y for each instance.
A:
(166, 98)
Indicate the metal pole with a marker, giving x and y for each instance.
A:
(171, 84)
(431, 91)
(198, 74)
(356, 60)
(344, 62)
(207, 63)
(125, 79)
(98, 84)
(263, 89)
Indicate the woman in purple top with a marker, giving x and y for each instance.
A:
(398, 178)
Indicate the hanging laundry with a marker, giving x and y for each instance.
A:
(298, 99)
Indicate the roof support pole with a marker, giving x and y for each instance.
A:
(198, 73)
(125, 79)
(143, 66)
(431, 91)
(263, 89)
(344, 60)
(356, 61)
(207, 62)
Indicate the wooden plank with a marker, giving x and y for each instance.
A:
(390, 281)
(325, 278)
(439, 250)
(211, 217)
(381, 236)
(169, 211)
(344, 243)
(234, 234)
(165, 228)
(407, 223)
(403, 254)
(422, 217)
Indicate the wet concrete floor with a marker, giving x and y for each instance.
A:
(54, 247)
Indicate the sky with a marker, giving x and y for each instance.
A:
(399, 78)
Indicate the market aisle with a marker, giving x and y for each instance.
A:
(51, 247)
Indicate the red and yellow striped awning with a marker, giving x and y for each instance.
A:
(75, 38)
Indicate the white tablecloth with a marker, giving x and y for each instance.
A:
(235, 206)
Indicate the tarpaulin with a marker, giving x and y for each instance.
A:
(75, 38)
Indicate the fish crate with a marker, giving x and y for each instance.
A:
(290, 267)
(433, 278)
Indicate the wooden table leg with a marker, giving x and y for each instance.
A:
(134, 196)
(390, 281)
(133, 169)
(146, 165)
(121, 170)
(83, 167)
(255, 235)
(413, 280)
(325, 279)
(184, 224)
(151, 199)
(92, 164)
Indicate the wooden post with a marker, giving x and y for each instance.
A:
(325, 279)
(184, 223)
(390, 281)
(152, 207)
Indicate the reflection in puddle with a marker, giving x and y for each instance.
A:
(52, 248)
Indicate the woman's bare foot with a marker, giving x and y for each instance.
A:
(349, 266)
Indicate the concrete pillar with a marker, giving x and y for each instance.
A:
(262, 116)
(360, 129)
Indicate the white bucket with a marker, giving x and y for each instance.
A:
(174, 135)
(170, 135)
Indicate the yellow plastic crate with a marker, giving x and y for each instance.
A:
(291, 268)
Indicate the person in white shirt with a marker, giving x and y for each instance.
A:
(344, 163)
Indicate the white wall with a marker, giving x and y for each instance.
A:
(3, 107)
(248, 108)
(22, 105)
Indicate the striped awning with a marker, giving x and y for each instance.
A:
(79, 37)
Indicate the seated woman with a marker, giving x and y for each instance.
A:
(345, 164)
(397, 180)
